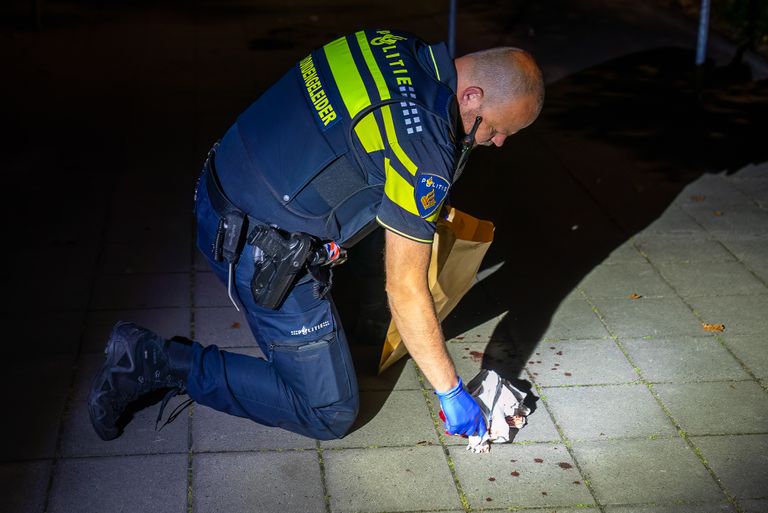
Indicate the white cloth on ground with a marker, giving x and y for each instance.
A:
(502, 406)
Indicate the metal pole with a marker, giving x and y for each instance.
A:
(452, 29)
(701, 40)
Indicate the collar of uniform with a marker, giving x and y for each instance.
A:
(442, 64)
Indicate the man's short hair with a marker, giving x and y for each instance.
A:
(506, 73)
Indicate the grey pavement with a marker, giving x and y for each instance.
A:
(631, 215)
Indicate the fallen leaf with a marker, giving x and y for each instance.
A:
(235, 325)
(714, 327)
(635, 296)
(698, 197)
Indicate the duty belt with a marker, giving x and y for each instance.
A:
(233, 222)
(281, 254)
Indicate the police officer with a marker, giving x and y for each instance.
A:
(370, 130)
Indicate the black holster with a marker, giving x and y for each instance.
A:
(278, 258)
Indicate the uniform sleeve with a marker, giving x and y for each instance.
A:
(418, 174)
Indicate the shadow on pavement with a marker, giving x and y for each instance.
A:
(614, 145)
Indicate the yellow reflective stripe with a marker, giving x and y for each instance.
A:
(370, 60)
(381, 86)
(434, 62)
(385, 225)
(353, 92)
(367, 130)
(398, 190)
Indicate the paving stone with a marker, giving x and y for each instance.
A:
(166, 322)
(400, 376)
(740, 315)
(48, 332)
(674, 220)
(482, 332)
(36, 404)
(755, 506)
(160, 193)
(23, 486)
(17, 379)
(223, 326)
(712, 192)
(755, 187)
(200, 262)
(77, 257)
(628, 471)
(47, 292)
(648, 317)
(626, 252)
(743, 219)
(127, 483)
(210, 291)
(621, 280)
(682, 248)
(139, 437)
(716, 408)
(576, 363)
(711, 279)
(146, 228)
(698, 507)
(389, 479)
(740, 462)
(753, 251)
(750, 350)
(471, 357)
(519, 479)
(580, 509)
(389, 419)
(681, 359)
(145, 258)
(539, 428)
(575, 319)
(120, 291)
(600, 412)
(214, 431)
(258, 482)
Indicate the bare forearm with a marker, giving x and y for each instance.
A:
(413, 309)
(414, 315)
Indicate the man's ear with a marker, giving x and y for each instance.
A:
(471, 97)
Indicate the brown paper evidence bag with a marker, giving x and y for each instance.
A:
(458, 248)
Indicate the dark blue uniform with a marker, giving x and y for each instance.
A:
(362, 130)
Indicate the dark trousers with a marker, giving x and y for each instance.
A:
(306, 383)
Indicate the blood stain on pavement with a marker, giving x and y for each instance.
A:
(476, 356)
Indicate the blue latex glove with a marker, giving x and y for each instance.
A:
(462, 414)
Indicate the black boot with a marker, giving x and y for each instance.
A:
(137, 362)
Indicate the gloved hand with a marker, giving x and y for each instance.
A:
(462, 414)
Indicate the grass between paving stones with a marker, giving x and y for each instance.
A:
(724, 344)
(441, 439)
(569, 447)
(323, 483)
(684, 435)
(680, 431)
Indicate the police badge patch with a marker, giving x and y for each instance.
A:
(430, 192)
